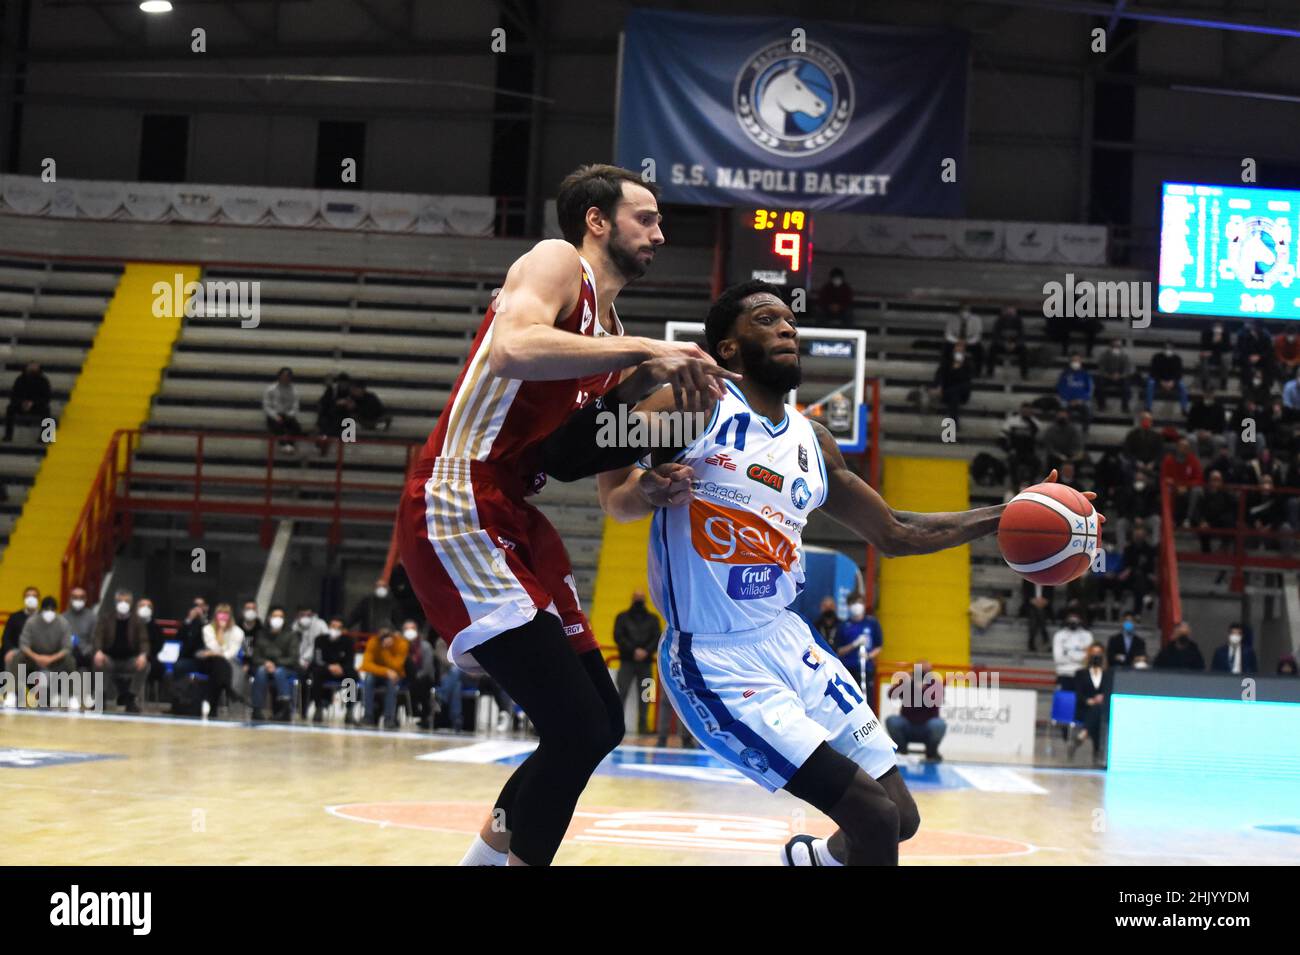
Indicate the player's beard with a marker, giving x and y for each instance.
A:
(758, 366)
(623, 258)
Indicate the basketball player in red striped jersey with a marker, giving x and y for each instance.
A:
(490, 571)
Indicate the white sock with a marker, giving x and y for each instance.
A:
(480, 853)
(824, 853)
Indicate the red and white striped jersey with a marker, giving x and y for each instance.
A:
(499, 420)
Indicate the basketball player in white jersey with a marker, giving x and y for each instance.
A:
(746, 675)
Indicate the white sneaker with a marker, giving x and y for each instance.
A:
(11, 699)
(205, 709)
(74, 704)
(503, 722)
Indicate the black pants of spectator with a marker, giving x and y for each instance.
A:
(1213, 367)
(36, 412)
(1107, 388)
(289, 425)
(1087, 328)
(998, 348)
(633, 675)
(1091, 720)
(952, 398)
(1037, 626)
(1139, 585)
(320, 694)
(219, 671)
(421, 688)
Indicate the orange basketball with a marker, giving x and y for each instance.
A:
(1049, 533)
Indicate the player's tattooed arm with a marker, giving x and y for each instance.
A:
(854, 503)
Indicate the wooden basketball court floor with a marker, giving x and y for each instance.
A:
(126, 790)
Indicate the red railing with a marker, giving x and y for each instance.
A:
(106, 518)
(1240, 558)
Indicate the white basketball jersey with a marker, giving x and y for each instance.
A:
(732, 559)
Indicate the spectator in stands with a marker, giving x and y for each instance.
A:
(81, 621)
(918, 720)
(1092, 689)
(1235, 656)
(1286, 665)
(636, 634)
(1109, 479)
(452, 681)
(1069, 647)
(29, 396)
(827, 623)
(280, 405)
(1068, 476)
(1257, 389)
(1008, 338)
(1074, 386)
(1062, 441)
(408, 604)
(1286, 353)
(1266, 511)
(835, 299)
(1254, 352)
(375, 610)
(952, 381)
(384, 662)
(1124, 646)
(44, 647)
(333, 662)
(1207, 414)
(275, 665)
(13, 630)
(1108, 575)
(1139, 573)
(334, 405)
(1143, 445)
(1114, 375)
(1183, 468)
(1180, 653)
(121, 650)
(1165, 378)
(1216, 352)
(1061, 327)
(1216, 509)
(191, 629)
(308, 626)
(1020, 441)
(1291, 397)
(860, 642)
(253, 626)
(421, 673)
(968, 328)
(1036, 607)
(367, 409)
(1263, 465)
(219, 658)
(144, 610)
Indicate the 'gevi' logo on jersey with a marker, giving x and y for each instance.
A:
(753, 582)
(728, 535)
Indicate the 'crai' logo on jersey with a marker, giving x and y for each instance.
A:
(764, 475)
(721, 461)
(725, 535)
(793, 104)
(800, 493)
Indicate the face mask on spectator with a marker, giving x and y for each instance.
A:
(78, 605)
(335, 631)
(1076, 365)
(857, 610)
(381, 592)
(250, 614)
(1234, 638)
(410, 633)
(277, 623)
(145, 613)
(1073, 624)
(223, 618)
(837, 281)
(123, 607)
(1141, 665)
(31, 603)
(1095, 660)
(1128, 626)
(958, 358)
(305, 620)
(1139, 485)
(47, 616)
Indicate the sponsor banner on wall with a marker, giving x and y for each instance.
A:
(1081, 244)
(147, 202)
(296, 207)
(1031, 242)
(195, 203)
(981, 723)
(99, 200)
(979, 239)
(394, 211)
(26, 195)
(244, 205)
(344, 210)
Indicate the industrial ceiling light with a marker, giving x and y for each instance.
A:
(156, 6)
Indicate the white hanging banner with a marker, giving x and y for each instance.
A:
(27, 195)
(344, 210)
(394, 211)
(929, 238)
(979, 239)
(195, 203)
(1081, 244)
(1031, 241)
(244, 205)
(147, 202)
(295, 207)
(99, 200)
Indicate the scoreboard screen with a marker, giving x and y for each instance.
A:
(774, 245)
(1228, 250)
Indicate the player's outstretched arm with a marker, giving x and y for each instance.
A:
(854, 503)
(629, 494)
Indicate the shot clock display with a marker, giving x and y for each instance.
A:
(774, 245)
